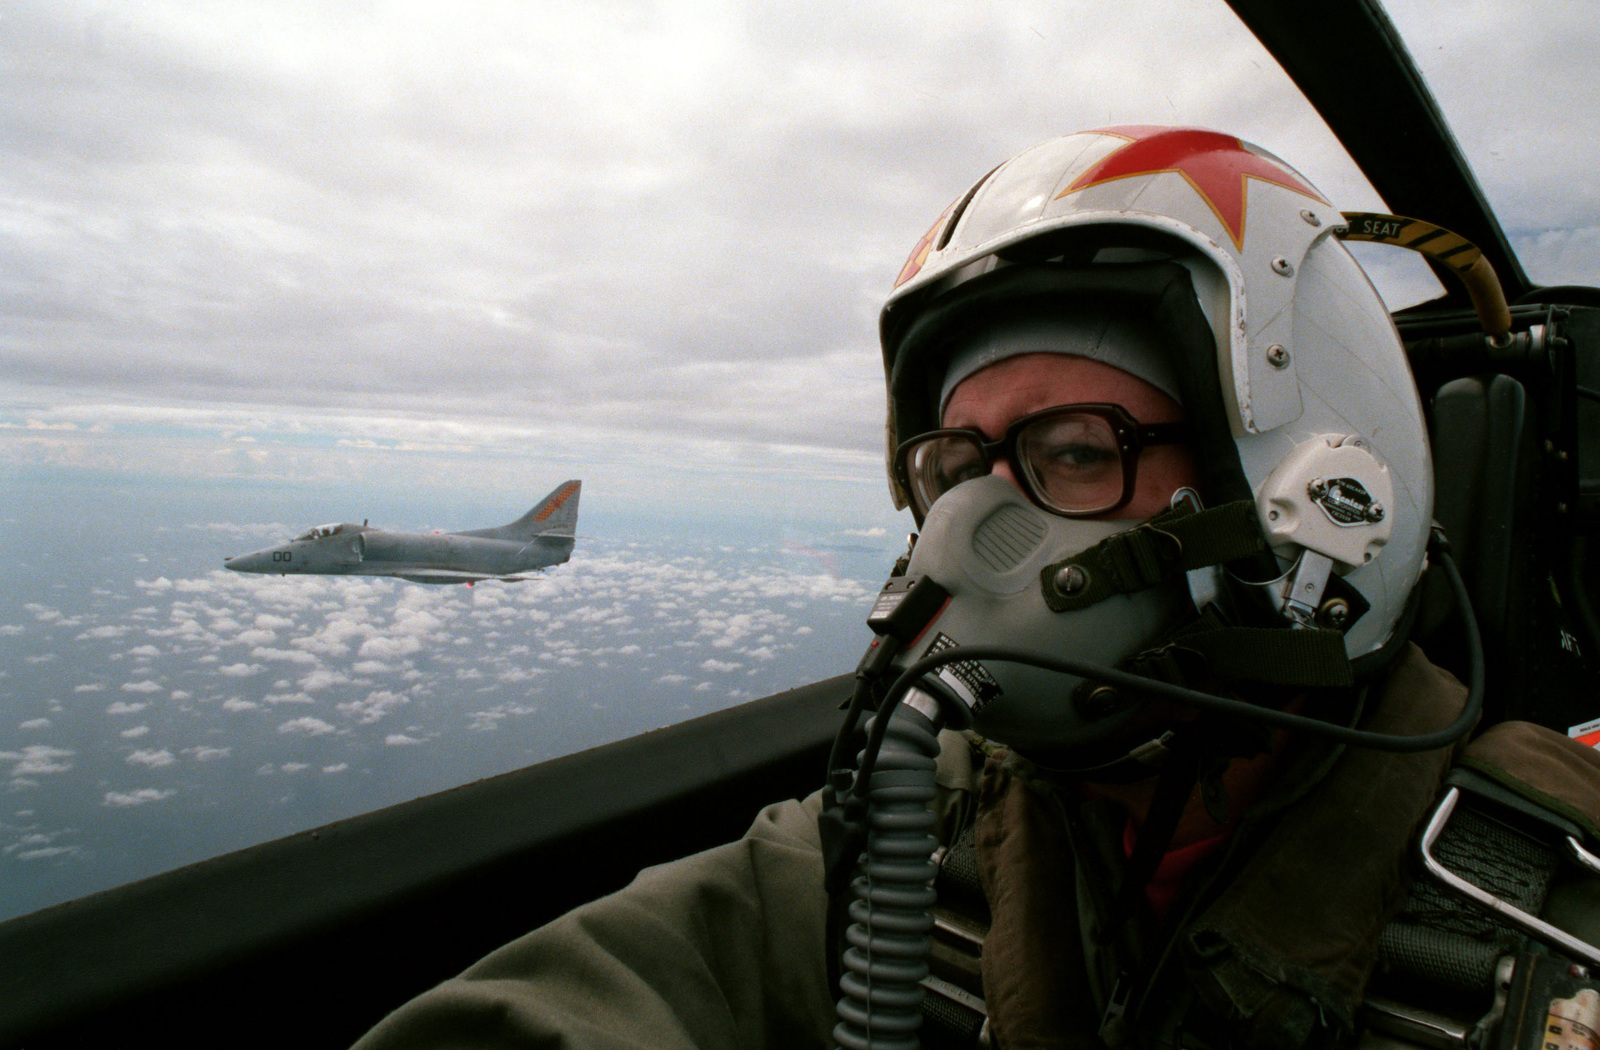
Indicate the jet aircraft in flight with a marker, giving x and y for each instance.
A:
(542, 537)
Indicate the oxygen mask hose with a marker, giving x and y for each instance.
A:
(890, 937)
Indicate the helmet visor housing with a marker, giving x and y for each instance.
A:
(1078, 461)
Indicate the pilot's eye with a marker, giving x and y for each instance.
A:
(954, 460)
(1074, 460)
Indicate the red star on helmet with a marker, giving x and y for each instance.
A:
(919, 254)
(1216, 165)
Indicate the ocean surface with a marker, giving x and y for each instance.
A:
(156, 710)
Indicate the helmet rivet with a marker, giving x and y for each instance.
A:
(1282, 267)
(1335, 613)
(1277, 356)
(1311, 218)
(1101, 701)
(1071, 579)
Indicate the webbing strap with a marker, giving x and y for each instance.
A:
(1275, 655)
(1447, 943)
(1298, 656)
(1168, 545)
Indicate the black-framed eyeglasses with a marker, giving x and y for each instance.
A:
(1074, 460)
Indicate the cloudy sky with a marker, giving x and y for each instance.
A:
(499, 244)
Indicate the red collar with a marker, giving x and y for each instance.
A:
(1162, 889)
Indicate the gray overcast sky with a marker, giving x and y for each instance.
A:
(408, 230)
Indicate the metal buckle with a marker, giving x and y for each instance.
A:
(1434, 1030)
(1300, 590)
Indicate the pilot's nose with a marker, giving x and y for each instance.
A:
(1003, 469)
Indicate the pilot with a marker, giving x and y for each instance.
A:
(1149, 415)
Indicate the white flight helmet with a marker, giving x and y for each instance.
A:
(1305, 402)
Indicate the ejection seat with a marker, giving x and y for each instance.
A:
(1516, 450)
(1515, 431)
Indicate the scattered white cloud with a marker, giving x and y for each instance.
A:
(386, 648)
(375, 706)
(45, 853)
(289, 698)
(306, 726)
(323, 678)
(152, 758)
(137, 797)
(37, 845)
(38, 760)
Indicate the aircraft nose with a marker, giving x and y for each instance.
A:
(254, 562)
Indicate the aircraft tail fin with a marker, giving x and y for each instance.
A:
(555, 515)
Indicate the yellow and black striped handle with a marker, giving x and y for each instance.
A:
(1448, 249)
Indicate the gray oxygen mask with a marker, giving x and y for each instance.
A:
(989, 547)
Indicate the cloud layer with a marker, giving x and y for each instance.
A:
(227, 709)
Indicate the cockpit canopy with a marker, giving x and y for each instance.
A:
(322, 532)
